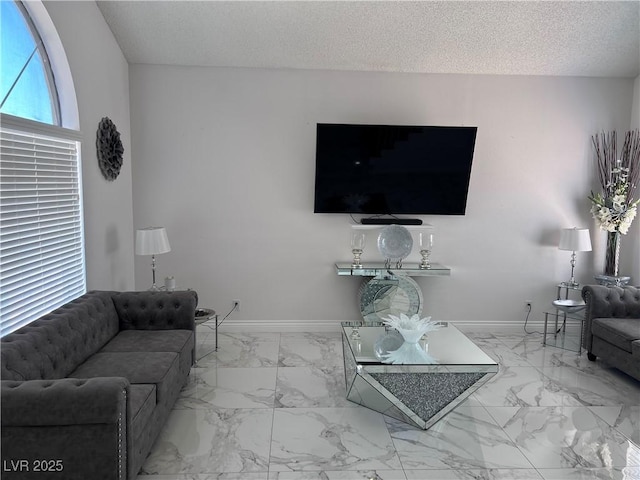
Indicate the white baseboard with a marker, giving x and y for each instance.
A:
(239, 326)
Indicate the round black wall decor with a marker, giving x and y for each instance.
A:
(109, 148)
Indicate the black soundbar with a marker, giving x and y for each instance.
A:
(391, 221)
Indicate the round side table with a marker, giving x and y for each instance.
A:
(569, 306)
(204, 315)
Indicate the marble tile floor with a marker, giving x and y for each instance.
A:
(271, 406)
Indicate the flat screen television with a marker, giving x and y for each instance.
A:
(393, 169)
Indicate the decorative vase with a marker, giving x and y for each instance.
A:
(409, 353)
(411, 329)
(612, 254)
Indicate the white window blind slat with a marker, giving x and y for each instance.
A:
(28, 161)
(20, 300)
(50, 230)
(35, 281)
(25, 181)
(32, 239)
(21, 267)
(33, 308)
(25, 150)
(37, 225)
(42, 263)
(31, 280)
(18, 260)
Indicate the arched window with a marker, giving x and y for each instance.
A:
(27, 87)
(42, 262)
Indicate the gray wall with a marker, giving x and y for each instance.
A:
(224, 159)
(630, 253)
(101, 79)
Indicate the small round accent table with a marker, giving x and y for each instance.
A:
(568, 309)
(204, 315)
(569, 306)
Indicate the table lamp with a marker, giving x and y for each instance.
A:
(152, 241)
(575, 240)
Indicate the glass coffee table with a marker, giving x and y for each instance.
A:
(418, 394)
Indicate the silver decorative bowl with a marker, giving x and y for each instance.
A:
(569, 306)
(204, 314)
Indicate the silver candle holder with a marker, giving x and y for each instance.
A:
(357, 247)
(426, 245)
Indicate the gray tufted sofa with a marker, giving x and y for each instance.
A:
(612, 326)
(87, 388)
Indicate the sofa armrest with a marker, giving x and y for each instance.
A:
(66, 429)
(66, 401)
(608, 302)
(156, 310)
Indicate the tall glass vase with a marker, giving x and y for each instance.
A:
(613, 254)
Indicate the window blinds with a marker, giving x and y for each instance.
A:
(41, 230)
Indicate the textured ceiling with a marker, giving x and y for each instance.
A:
(581, 38)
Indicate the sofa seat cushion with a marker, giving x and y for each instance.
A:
(180, 341)
(159, 368)
(620, 332)
(142, 403)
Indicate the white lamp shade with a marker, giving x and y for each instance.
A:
(575, 239)
(152, 241)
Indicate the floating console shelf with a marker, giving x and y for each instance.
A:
(373, 269)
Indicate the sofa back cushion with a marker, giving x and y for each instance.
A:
(54, 345)
(612, 302)
(156, 310)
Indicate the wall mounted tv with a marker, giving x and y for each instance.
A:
(393, 169)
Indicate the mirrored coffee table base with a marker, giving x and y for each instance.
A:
(417, 394)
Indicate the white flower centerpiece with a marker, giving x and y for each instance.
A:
(615, 208)
(411, 329)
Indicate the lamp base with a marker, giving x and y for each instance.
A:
(154, 287)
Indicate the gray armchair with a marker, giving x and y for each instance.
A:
(612, 326)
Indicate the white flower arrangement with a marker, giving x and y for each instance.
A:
(412, 328)
(613, 214)
(615, 208)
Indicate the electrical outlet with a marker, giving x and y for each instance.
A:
(236, 304)
(528, 305)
